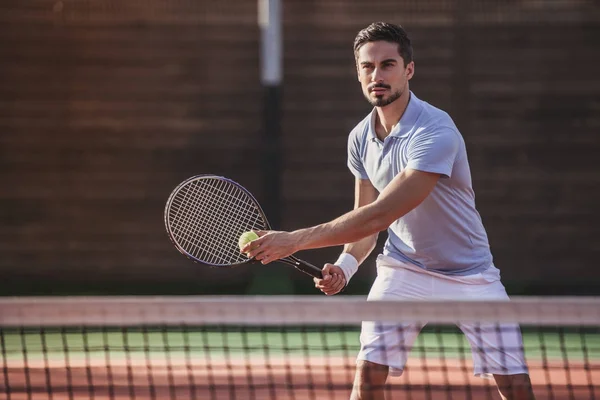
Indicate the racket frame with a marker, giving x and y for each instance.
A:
(293, 261)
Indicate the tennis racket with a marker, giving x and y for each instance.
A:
(205, 216)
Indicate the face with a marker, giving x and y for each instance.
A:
(381, 72)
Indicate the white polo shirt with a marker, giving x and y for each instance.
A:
(445, 232)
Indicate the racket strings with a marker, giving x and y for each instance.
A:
(235, 223)
(182, 224)
(204, 213)
(201, 212)
(184, 216)
(234, 194)
(197, 214)
(207, 216)
(225, 217)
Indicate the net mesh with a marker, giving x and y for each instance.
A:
(281, 348)
(206, 216)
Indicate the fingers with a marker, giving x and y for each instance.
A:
(270, 246)
(265, 259)
(326, 276)
(265, 249)
(331, 286)
(333, 280)
(325, 273)
(260, 255)
(256, 251)
(252, 248)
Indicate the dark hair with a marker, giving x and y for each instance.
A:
(383, 31)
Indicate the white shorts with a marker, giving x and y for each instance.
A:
(389, 344)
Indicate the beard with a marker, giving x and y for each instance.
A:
(381, 101)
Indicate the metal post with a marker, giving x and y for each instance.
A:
(273, 279)
(269, 20)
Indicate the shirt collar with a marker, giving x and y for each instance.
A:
(407, 121)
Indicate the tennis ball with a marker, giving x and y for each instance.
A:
(247, 237)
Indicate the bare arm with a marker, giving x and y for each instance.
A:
(405, 192)
(335, 277)
(364, 194)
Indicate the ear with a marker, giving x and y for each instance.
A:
(410, 70)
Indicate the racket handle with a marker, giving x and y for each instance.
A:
(309, 269)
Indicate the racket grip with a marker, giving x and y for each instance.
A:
(309, 269)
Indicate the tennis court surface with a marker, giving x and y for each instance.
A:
(276, 347)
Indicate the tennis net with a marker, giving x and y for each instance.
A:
(279, 347)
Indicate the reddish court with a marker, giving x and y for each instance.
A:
(281, 378)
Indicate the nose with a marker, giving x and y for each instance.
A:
(376, 76)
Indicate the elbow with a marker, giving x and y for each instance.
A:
(382, 216)
(372, 243)
(382, 224)
(380, 221)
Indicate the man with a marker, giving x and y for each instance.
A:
(413, 179)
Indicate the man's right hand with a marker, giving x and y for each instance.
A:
(333, 280)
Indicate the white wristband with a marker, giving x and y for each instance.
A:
(348, 264)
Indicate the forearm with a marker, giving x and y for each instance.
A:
(404, 193)
(351, 227)
(361, 249)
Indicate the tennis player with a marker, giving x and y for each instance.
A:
(413, 179)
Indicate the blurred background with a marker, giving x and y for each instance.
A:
(106, 105)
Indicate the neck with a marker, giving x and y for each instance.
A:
(389, 116)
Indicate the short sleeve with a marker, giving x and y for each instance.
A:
(355, 160)
(434, 151)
